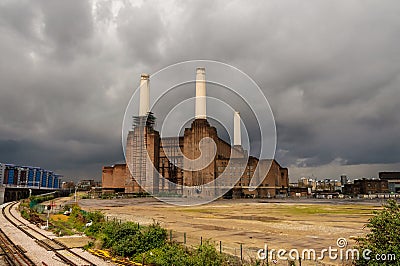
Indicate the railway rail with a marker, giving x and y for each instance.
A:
(13, 254)
(64, 253)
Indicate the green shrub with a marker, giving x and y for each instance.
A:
(178, 255)
(25, 214)
(85, 196)
(40, 199)
(169, 254)
(206, 254)
(94, 230)
(77, 219)
(154, 236)
(384, 237)
(127, 239)
(97, 218)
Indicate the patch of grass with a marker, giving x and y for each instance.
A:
(25, 214)
(62, 228)
(59, 217)
(24, 204)
(322, 209)
(201, 210)
(75, 222)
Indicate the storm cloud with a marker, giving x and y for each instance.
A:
(330, 70)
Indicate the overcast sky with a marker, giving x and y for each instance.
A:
(330, 70)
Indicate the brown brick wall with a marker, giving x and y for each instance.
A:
(107, 177)
(114, 176)
(200, 129)
(118, 176)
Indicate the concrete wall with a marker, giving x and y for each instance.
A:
(2, 191)
(8, 194)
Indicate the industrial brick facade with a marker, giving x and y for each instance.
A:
(366, 186)
(115, 177)
(118, 177)
(175, 165)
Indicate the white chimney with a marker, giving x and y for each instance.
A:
(144, 104)
(237, 136)
(201, 93)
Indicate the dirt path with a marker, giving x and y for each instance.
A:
(287, 224)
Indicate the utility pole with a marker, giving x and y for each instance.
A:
(76, 198)
(48, 214)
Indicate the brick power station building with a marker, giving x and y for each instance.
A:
(188, 164)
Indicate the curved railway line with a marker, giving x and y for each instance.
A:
(14, 255)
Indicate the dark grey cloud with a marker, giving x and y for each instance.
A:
(17, 17)
(67, 27)
(330, 70)
(142, 33)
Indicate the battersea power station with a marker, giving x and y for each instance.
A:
(197, 163)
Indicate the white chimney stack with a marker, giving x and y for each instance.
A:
(144, 104)
(201, 93)
(237, 136)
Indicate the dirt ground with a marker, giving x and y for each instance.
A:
(287, 224)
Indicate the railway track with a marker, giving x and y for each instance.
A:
(12, 253)
(64, 253)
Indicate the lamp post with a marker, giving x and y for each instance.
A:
(48, 207)
(76, 198)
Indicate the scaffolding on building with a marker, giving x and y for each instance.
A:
(137, 150)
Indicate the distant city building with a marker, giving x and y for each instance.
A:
(366, 186)
(344, 180)
(296, 191)
(86, 184)
(167, 158)
(307, 182)
(328, 185)
(393, 179)
(68, 185)
(28, 176)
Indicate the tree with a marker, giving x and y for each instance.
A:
(383, 240)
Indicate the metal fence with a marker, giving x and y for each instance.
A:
(245, 254)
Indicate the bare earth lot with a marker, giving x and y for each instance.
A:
(284, 224)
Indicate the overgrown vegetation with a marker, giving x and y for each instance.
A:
(175, 254)
(28, 211)
(127, 239)
(39, 199)
(25, 214)
(384, 238)
(148, 244)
